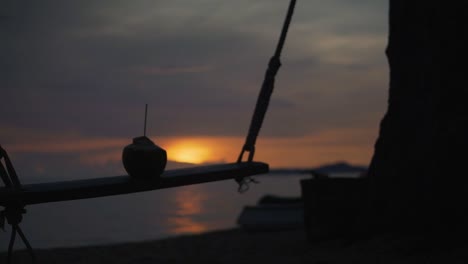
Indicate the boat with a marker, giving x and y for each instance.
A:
(273, 213)
(284, 213)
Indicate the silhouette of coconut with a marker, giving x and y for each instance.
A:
(143, 159)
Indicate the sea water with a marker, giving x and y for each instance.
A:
(146, 216)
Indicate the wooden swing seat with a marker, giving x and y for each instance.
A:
(107, 186)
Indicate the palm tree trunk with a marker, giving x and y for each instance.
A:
(418, 176)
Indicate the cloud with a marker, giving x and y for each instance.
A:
(69, 145)
(85, 69)
(173, 70)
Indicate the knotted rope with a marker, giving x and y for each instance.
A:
(13, 212)
(264, 99)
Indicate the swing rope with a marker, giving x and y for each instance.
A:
(263, 100)
(14, 211)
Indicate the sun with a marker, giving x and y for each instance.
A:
(189, 152)
(202, 149)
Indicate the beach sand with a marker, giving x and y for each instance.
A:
(239, 246)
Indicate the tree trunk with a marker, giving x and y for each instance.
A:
(418, 175)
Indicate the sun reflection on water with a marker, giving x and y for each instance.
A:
(189, 205)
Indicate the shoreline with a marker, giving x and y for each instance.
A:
(239, 246)
(223, 246)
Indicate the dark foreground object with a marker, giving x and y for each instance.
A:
(333, 206)
(419, 181)
(82, 189)
(236, 246)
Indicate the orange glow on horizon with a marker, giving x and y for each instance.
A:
(189, 151)
(199, 150)
(352, 145)
(66, 145)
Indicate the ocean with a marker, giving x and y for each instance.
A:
(146, 216)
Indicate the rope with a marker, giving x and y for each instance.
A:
(14, 214)
(11, 244)
(4, 175)
(13, 211)
(264, 98)
(26, 243)
(14, 180)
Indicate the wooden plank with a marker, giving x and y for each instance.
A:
(106, 186)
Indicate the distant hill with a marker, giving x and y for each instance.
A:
(340, 167)
(171, 165)
(333, 168)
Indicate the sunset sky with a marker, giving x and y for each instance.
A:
(75, 77)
